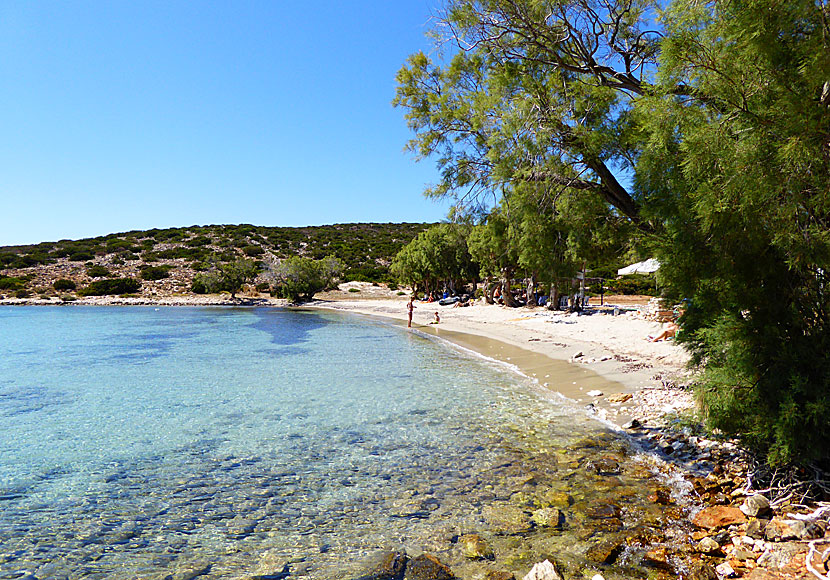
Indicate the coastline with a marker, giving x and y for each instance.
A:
(567, 354)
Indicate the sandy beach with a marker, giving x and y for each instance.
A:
(569, 353)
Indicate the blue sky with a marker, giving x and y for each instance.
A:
(131, 115)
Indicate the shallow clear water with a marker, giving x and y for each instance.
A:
(154, 443)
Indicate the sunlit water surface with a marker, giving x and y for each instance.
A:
(218, 442)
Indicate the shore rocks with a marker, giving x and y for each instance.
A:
(714, 517)
(755, 505)
(605, 552)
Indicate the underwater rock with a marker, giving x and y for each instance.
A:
(386, 566)
(499, 575)
(548, 518)
(506, 519)
(658, 558)
(603, 509)
(474, 547)
(605, 552)
(427, 567)
(271, 566)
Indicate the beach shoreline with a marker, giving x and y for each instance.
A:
(572, 355)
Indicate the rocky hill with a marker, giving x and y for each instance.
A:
(164, 261)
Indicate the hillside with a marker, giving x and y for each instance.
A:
(173, 256)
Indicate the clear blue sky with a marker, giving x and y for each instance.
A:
(125, 115)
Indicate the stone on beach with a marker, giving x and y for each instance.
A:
(718, 516)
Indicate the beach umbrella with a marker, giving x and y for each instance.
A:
(646, 267)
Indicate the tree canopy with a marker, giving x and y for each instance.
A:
(701, 129)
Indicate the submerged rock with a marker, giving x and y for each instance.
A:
(605, 552)
(271, 566)
(474, 547)
(427, 567)
(548, 518)
(506, 519)
(386, 566)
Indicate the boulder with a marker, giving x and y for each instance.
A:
(473, 547)
(427, 567)
(714, 517)
(619, 397)
(755, 528)
(543, 571)
(755, 505)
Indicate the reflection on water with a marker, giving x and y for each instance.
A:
(224, 455)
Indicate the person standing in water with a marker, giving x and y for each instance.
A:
(410, 307)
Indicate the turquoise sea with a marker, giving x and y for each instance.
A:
(142, 442)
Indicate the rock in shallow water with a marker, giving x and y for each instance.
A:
(386, 566)
(473, 547)
(427, 567)
(545, 570)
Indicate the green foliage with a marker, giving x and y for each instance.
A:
(64, 284)
(298, 279)
(11, 283)
(719, 115)
(354, 290)
(22, 293)
(437, 257)
(155, 272)
(97, 271)
(229, 277)
(633, 284)
(111, 286)
(253, 251)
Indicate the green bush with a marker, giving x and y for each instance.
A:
(22, 293)
(111, 286)
(354, 289)
(253, 250)
(263, 287)
(11, 283)
(68, 298)
(97, 271)
(64, 284)
(81, 256)
(155, 272)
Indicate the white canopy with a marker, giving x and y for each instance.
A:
(647, 267)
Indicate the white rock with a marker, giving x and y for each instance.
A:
(594, 393)
(543, 571)
(597, 577)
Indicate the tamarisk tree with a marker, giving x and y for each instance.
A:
(704, 128)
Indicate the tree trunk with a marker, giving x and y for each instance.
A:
(506, 294)
(489, 289)
(531, 290)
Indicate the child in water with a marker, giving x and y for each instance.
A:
(437, 319)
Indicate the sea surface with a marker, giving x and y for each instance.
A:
(141, 442)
